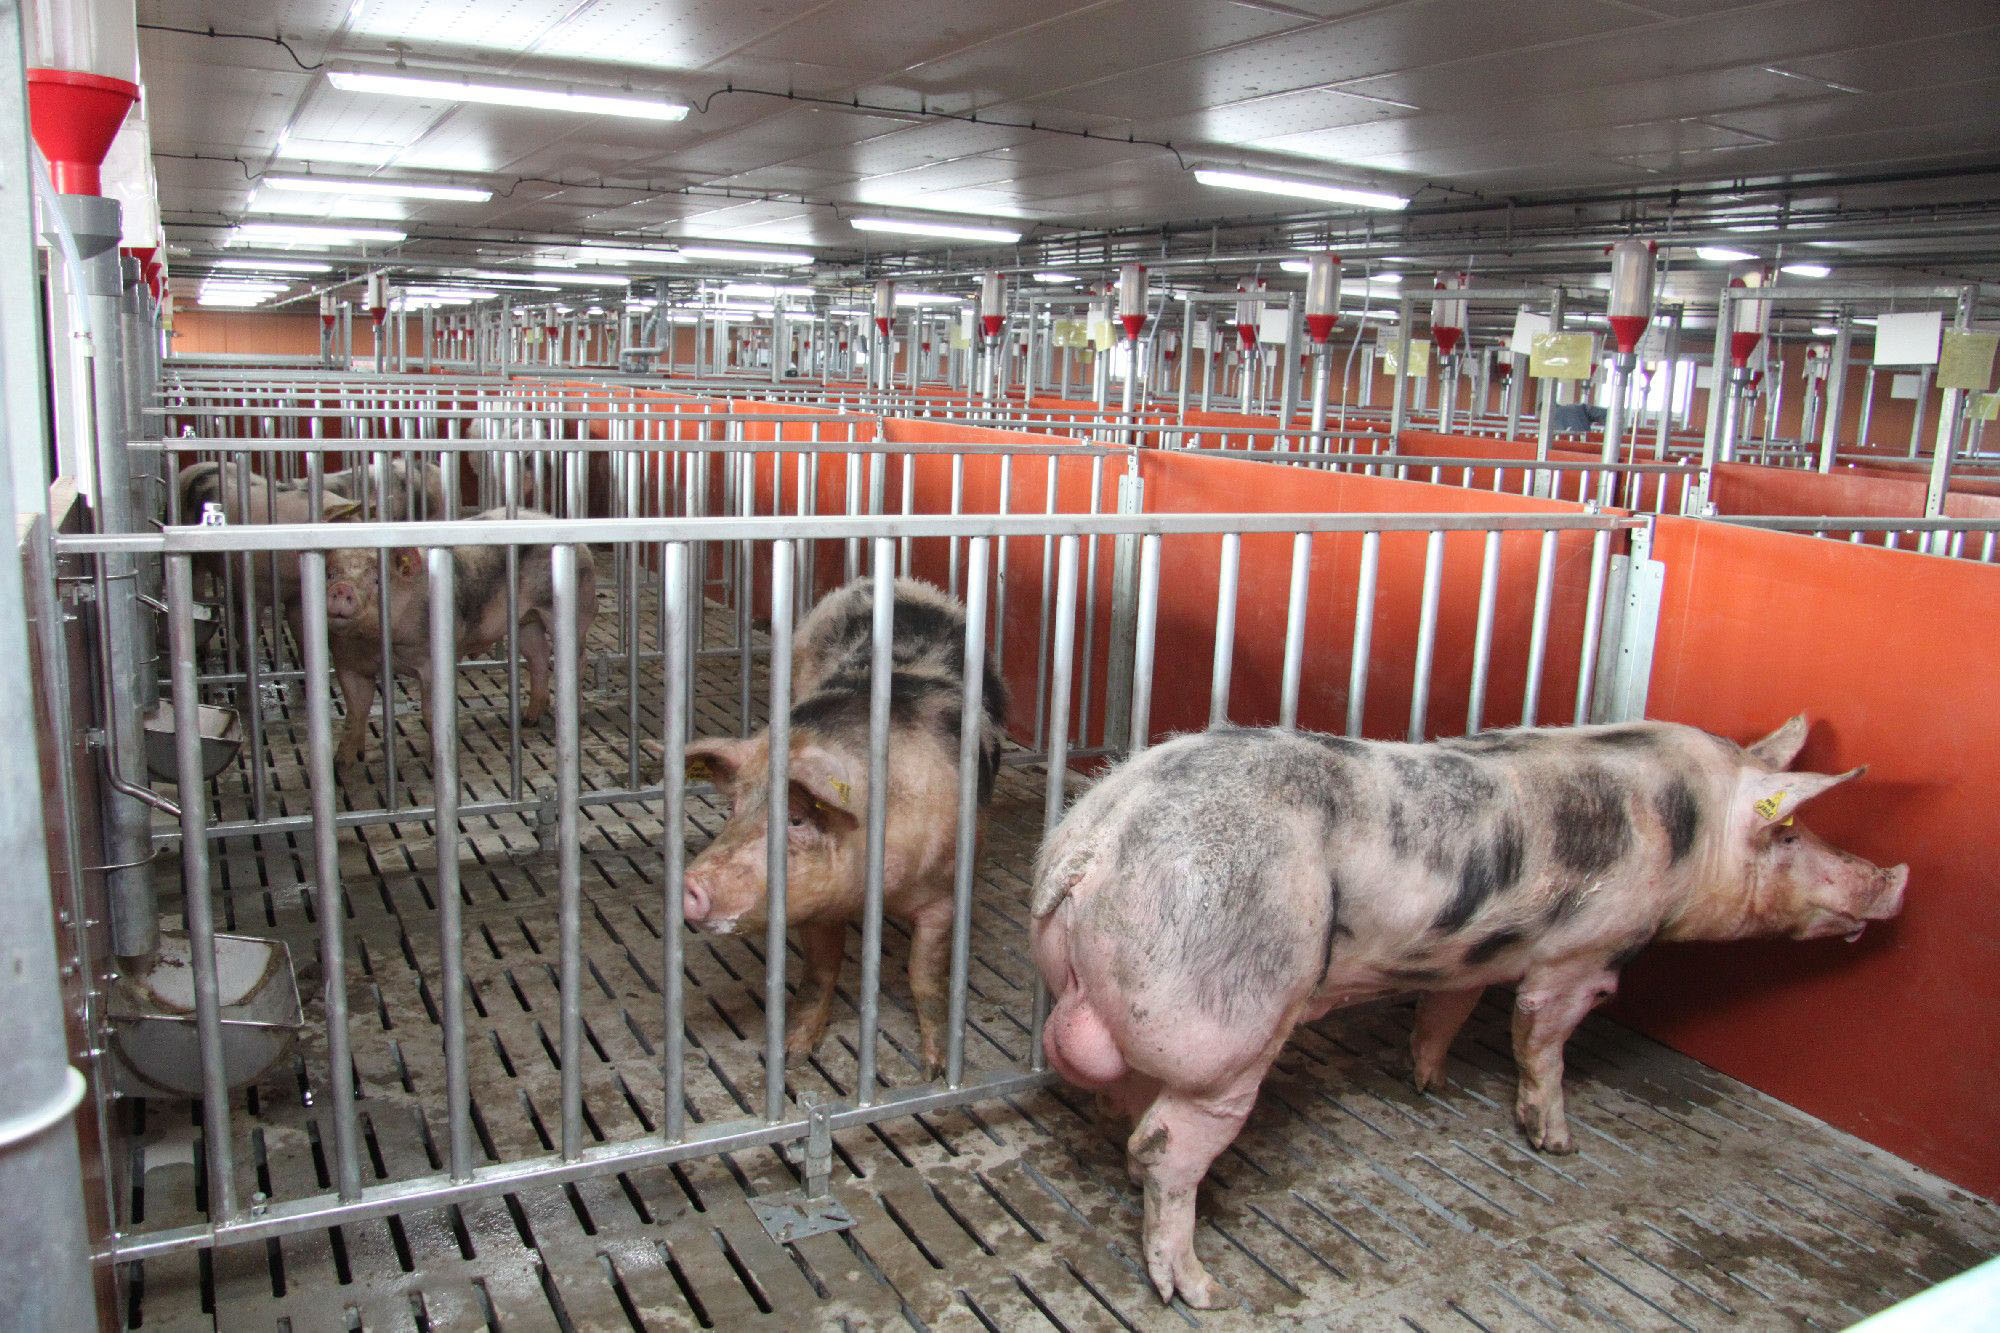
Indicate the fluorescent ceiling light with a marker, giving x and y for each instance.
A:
(281, 233)
(726, 253)
(950, 230)
(761, 291)
(929, 298)
(1722, 254)
(618, 254)
(446, 88)
(1331, 194)
(1057, 277)
(1806, 270)
(1824, 331)
(274, 265)
(469, 293)
(561, 277)
(464, 194)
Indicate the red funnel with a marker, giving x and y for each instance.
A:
(1741, 345)
(1446, 337)
(882, 323)
(1248, 333)
(328, 320)
(1320, 327)
(993, 324)
(1133, 324)
(75, 116)
(1628, 329)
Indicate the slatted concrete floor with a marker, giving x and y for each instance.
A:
(1349, 1202)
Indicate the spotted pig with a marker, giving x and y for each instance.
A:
(1220, 888)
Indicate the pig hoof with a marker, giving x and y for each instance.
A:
(1186, 1278)
(1547, 1134)
(799, 1046)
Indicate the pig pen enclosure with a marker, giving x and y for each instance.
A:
(516, 1093)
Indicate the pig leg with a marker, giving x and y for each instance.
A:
(824, 944)
(1547, 1008)
(930, 979)
(1177, 1139)
(358, 688)
(1440, 1014)
(534, 638)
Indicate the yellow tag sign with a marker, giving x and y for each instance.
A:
(846, 792)
(1102, 334)
(1986, 407)
(1966, 360)
(1770, 805)
(1420, 357)
(1560, 356)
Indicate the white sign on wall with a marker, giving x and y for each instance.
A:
(1908, 340)
(1274, 325)
(1198, 336)
(1527, 325)
(1905, 386)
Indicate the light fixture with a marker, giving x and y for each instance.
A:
(561, 277)
(284, 233)
(1056, 277)
(1722, 254)
(1331, 194)
(1805, 270)
(273, 265)
(464, 194)
(469, 293)
(618, 254)
(1825, 331)
(949, 230)
(450, 88)
(928, 298)
(760, 291)
(730, 253)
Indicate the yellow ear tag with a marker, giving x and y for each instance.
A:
(846, 792)
(1786, 821)
(1770, 805)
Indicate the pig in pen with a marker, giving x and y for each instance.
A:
(629, 1061)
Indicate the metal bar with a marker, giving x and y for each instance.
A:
(1482, 635)
(1295, 631)
(218, 1146)
(1225, 629)
(971, 731)
(443, 712)
(564, 587)
(1144, 636)
(881, 670)
(1364, 632)
(1058, 760)
(777, 829)
(673, 751)
(1593, 614)
(1420, 680)
(326, 874)
(1538, 635)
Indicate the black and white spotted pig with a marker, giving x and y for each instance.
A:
(1221, 888)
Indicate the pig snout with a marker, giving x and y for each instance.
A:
(343, 600)
(1889, 898)
(695, 899)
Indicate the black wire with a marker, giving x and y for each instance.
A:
(239, 37)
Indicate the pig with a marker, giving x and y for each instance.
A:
(1218, 889)
(354, 640)
(725, 890)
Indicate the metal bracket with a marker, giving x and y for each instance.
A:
(812, 1211)
(1627, 674)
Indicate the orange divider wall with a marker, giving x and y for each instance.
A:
(1895, 1038)
(1746, 488)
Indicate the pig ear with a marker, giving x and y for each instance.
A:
(714, 761)
(336, 510)
(822, 779)
(1773, 797)
(409, 563)
(1783, 745)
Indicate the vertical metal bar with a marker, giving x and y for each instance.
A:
(777, 829)
(1225, 628)
(443, 713)
(1482, 634)
(1593, 615)
(972, 728)
(1295, 630)
(326, 874)
(1058, 768)
(1420, 680)
(674, 648)
(1145, 634)
(1364, 631)
(1538, 636)
(215, 1130)
(569, 870)
(881, 667)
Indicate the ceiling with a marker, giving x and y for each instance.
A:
(1524, 134)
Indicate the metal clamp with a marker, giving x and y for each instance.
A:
(812, 1211)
